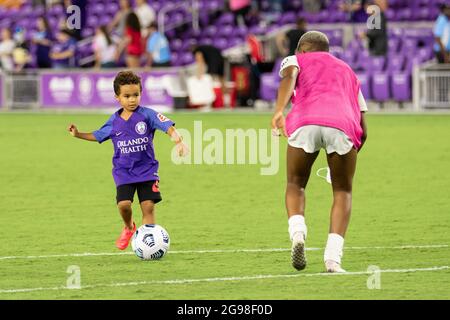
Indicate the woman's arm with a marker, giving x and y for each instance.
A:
(364, 128)
(287, 86)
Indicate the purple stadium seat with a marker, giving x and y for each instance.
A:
(269, 83)
(401, 87)
(240, 31)
(234, 42)
(187, 58)
(176, 44)
(205, 41)
(287, 18)
(112, 8)
(92, 21)
(56, 10)
(210, 32)
(365, 81)
(98, 8)
(405, 14)
(349, 56)
(221, 43)
(396, 63)
(393, 44)
(226, 18)
(380, 86)
(425, 53)
(225, 31)
(337, 52)
(187, 44)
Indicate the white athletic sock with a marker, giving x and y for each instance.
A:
(334, 248)
(297, 224)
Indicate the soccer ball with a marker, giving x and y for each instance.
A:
(150, 242)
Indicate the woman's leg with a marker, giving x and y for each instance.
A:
(299, 165)
(342, 169)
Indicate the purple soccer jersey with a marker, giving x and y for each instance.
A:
(134, 157)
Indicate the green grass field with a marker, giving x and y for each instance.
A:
(58, 200)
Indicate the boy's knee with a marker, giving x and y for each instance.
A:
(124, 205)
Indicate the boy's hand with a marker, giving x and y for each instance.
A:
(278, 122)
(73, 130)
(182, 149)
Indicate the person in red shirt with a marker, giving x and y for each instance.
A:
(132, 42)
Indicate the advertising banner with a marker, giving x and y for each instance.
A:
(93, 89)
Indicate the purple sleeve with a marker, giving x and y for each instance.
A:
(157, 120)
(104, 133)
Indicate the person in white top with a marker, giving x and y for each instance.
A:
(104, 49)
(145, 14)
(7, 46)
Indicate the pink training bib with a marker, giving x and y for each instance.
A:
(326, 94)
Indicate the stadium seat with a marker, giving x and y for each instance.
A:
(270, 82)
(401, 86)
(380, 86)
(365, 82)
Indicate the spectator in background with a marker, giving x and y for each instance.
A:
(209, 60)
(11, 4)
(63, 52)
(442, 35)
(104, 49)
(355, 9)
(158, 50)
(43, 38)
(119, 21)
(312, 6)
(240, 9)
(287, 43)
(145, 14)
(7, 46)
(21, 53)
(132, 42)
(256, 59)
(377, 38)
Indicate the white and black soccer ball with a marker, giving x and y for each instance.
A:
(150, 242)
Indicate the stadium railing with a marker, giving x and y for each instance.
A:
(431, 86)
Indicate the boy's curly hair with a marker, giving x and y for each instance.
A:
(124, 78)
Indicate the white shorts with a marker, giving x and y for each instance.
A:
(312, 138)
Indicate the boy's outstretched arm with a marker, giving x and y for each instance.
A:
(182, 148)
(287, 86)
(80, 135)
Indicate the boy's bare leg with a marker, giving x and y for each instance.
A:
(126, 213)
(127, 232)
(148, 212)
(299, 165)
(342, 170)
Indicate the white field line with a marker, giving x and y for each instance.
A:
(91, 254)
(224, 279)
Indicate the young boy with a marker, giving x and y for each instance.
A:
(131, 130)
(327, 112)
